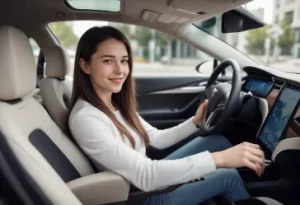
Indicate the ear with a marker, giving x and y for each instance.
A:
(84, 66)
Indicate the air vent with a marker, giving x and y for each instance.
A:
(278, 85)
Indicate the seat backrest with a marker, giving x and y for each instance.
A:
(56, 88)
(45, 152)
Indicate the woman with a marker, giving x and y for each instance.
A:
(105, 123)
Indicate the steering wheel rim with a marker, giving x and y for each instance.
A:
(232, 97)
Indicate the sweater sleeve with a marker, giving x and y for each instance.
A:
(96, 139)
(165, 138)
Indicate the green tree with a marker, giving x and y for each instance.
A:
(287, 38)
(64, 33)
(256, 41)
(144, 35)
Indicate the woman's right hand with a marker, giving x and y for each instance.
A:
(242, 155)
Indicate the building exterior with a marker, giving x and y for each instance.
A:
(289, 9)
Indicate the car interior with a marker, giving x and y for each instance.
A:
(42, 164)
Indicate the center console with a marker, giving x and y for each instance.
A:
(279, 118)
(278, 137)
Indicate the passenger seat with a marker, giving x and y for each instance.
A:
(56, 87)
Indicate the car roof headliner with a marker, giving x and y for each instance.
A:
(26, 14)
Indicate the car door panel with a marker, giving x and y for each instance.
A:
(168, 109)
(147, 84)
(167, 101)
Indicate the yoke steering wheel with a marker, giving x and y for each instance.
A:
(223, 97)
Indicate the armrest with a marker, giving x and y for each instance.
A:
(100, 188)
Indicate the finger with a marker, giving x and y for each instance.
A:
(204, 103)
(204, 113)
(259, 168)
(256, 152)
(263, 165)
(252, 145)
(254, 158)
(251, 165)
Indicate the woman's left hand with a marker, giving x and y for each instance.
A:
(200, 116)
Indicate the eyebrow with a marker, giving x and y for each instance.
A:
(111, 56)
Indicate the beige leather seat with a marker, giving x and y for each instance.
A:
(54, 162)
(56, 88)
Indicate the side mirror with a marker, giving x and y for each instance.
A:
(205, 67)
(238, 20)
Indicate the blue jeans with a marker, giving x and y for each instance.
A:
(225, 182)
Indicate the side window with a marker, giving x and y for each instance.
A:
(35, 49)
(153, 51)
(40, 68)
(160, 53)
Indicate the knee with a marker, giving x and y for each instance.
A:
(230, 173)
(230, 178)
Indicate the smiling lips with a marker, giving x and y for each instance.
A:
(116, 80)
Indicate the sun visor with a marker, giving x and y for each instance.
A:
(151, 17)
(202, 9)
(188, 11)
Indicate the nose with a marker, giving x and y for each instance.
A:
(118, 68)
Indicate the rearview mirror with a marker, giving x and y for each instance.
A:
(238, 20)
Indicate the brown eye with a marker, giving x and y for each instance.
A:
(108, 61)
(124, 61)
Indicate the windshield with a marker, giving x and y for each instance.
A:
(276, 45)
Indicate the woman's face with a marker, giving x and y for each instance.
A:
(108, 67)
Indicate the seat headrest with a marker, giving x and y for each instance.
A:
(57, 62)
(18, 67)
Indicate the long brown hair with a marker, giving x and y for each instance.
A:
(125, 99)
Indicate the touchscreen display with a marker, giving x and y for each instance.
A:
(259, 86)
(281, 112)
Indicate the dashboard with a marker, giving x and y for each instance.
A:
(283, 99)
(259, 86)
